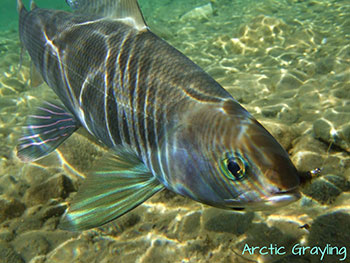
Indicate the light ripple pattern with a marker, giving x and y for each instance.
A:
(287, 62)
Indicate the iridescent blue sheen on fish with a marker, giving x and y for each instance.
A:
(167, 122)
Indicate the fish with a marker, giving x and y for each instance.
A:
(166, 122)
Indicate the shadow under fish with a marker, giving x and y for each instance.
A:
(167, 122)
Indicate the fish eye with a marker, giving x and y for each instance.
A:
(233, 168)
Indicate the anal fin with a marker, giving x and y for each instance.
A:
(109, 193)
(45, 131)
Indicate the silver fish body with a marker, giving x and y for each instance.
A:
(132, 90)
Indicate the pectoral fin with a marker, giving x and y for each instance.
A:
(109, 193)
(45, 131)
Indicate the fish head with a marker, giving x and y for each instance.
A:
(225, 158)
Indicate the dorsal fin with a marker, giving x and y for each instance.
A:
(20, 6)
(33, 5)
(125, 10)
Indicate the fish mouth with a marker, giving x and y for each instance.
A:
(252, 200)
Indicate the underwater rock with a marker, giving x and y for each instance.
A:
(51, 211)
(289, 116)
(55, 238)
(271, 48)
(171, 199)
(322, 129)
(322, 190)
(127, 221)
(307, 161)
(338, 181)
(292, 258)
(31, 244)
(236, 223)
(216, 72)
(7, 91)
(35, 174)
(92, 247)
(25, 224)
(337, 118)
(342, 92)
(67, 252)
(330, 229)
(271, 111)
(58, 186)
(12, 186)
(10, 208)
(309, 100)
(328, 130)
(282, 133)
(289, 81)
(7, 101)
(14, 83)
(260, 234)
(6, 235)
(131, 220)
(190, 226)
(82, 151)
(307, 152)
(191, 223)
(198, 13)
(166, 224)
(162, 249)
(8, 255)
(262, 32)
(324, 65)
(345, 51)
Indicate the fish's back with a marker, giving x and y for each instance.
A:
(125, 86)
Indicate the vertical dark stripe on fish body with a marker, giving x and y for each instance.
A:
(94, 116)
(91, 64)
(113, 122)
(118, 128)
(121, 90)
(143, 96)
(147, 105)
(125, 86)
(89, 88)
(128, 84)
(138, 113)
(148, 119)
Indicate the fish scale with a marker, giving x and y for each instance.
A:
(167, 122)
(127, 71)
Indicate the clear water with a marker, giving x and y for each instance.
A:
(287, 62)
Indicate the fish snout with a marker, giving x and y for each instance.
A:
(282, 198)
(284, 178)
(284, 186)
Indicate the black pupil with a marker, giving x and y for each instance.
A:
(233, 167)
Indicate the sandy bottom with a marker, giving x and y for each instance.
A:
(287, 62)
